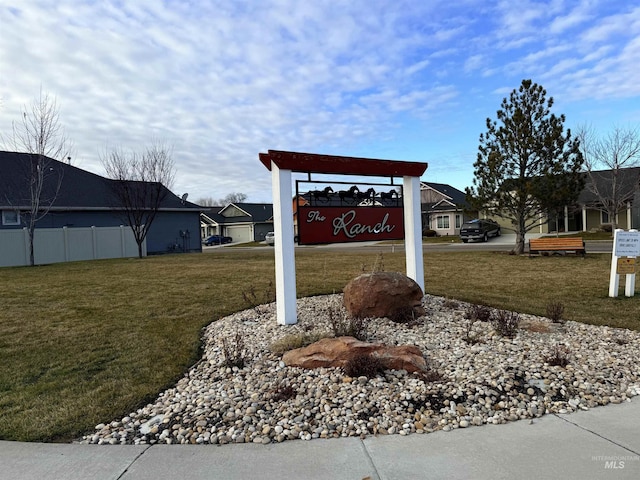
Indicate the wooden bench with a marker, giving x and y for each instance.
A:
(551, 244)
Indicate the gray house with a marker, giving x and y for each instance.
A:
(244, 222)
(86, 199)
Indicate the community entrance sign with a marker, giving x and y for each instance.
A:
(332, 211)
(357, 213)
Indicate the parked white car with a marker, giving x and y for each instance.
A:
(270, 238)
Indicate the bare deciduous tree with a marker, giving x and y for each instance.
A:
(235, 197)
(40, 134)
(606, 157)
(206, 202)
(141, 181)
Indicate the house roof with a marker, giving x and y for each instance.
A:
(456, 196)
(252, 213)
(212, 215)
(627, 184)
(259, 212)
(79, 189)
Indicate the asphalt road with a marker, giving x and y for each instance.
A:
(505, 243)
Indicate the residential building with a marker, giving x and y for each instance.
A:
(444, 208)
(244, 222)
(85, 199)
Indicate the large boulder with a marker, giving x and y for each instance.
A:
(382, 294)
(336, 352)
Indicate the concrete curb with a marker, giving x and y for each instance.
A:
(599, 443)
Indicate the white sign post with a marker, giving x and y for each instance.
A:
(625, 244)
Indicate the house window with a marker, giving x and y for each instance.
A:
(458, 220)
(604, 217)
(442, 221)
(10, 217)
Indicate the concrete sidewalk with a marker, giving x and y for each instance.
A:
(601, 443)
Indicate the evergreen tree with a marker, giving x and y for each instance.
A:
(527, 165)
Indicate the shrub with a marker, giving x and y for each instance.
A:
(295, 340)
(430, 376)
(555, 310)
(252, 299)
(452, 304)
(506, 323)
(469, 337)
(427, 232)
(403, 315)
(233, 351)
(347, 326)
(559, 356)
(481, 313)
(283, 392)
(363, 364)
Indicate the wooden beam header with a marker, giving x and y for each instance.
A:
(338, 165)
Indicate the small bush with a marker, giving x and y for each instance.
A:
(233, 351)
(452, 304)
(347, 326)
(506, 323)
(253, 300)
(363, 364)
(431, 376)
(427, 232)
(606, 227)
(295, 340)
(469, 336)
(403, 315)
(283, 392)
(481, 313)
(559, 356)
(555, 310)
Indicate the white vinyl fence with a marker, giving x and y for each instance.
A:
(54, 245)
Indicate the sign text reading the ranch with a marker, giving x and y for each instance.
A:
(355, 213)
(349, 224)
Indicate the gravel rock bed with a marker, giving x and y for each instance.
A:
(493, 381)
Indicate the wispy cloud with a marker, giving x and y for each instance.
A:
(224, 79)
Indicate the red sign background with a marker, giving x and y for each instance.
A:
(349, 224)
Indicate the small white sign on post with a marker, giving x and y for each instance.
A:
(625, 244)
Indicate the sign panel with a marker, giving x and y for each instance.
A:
(349, 224)
(626, 266)
(627, 244)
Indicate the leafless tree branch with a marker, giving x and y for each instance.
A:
(141, 181)
(40, 134)
(606, 158)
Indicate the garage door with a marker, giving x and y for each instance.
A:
(240, 233)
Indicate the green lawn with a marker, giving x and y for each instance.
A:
(82, 343)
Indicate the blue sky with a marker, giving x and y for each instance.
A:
(222, 80)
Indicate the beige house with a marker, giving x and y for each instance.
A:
(590, 212)
(443, 208)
